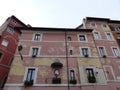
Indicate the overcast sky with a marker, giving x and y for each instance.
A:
(58, 13)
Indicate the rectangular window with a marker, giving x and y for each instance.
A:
(5, 43)
(109, 36)
(72, 75)
(35, 52)
(93, 24)
(104, 25)
(84, 51)
(96, 35)
(30, 75)
(90, 71)
(82, 38)
(69, 39)
(37, 37)
(102, 51)
(116, 52)
(10, 30)
(90, 75)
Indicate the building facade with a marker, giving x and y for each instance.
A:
(9, 38)
(85, 58)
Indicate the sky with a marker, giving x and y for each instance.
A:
(58, 13)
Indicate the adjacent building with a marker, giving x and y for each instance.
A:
(84, 58)
(9, 38)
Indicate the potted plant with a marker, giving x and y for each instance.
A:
(74, 81)
(28, 83)
(91, 79)
(86, 55)
(104, 56)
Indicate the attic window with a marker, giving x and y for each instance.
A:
(14, 22)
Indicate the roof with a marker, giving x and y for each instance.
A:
(18, 20)
(97, 19)
(54, 29)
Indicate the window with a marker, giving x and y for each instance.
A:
(90, 75)
(116, 51)
(90, 71)
(84, 51)
(82, 38)
(30, 74)
(72, 75)
(109, 36)
(102, 51)
(1, 55)
(69, 39)
(37, 37)
(96, 35)
(34, 52)
(14, 22)
(93, 24)
(10, 30)
(117, 28)
(71, 52)
(4, 43)
(104, 25)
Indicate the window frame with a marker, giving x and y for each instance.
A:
(105, 53)
(84, 36)
(4, 43)
(34, 35)
(69, 38)
(91, 24)
(117, 51)
(26, 72)
(111, 36)
(10, 30)
(104, 24)
(98, 35)
(89, 53)
(31, 51)
(74, 75)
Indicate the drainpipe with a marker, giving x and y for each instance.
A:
(66, 48)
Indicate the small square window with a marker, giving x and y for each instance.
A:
(104, 25)
(82, 38)
(5, 43)
(93, 24)
(69, 39)
(37, 37)
(10, 30)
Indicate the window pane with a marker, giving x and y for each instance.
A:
(96, 35)
(102, 51)
(35, 51)
(85, 51)
(10, 30)
(72, 74)
(82, 37)
(116, 52)
(69, 39)
(30, 74)
(4, 43)
(37, 37)
(109, 36)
